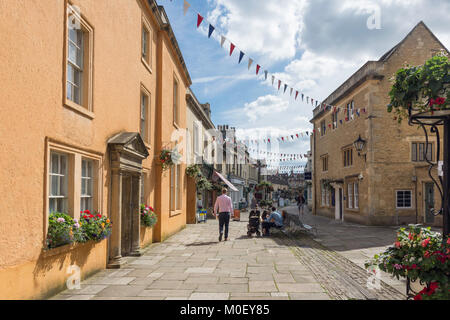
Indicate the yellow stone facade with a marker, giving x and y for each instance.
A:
(384, 173)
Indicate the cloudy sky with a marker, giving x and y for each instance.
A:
(312, 45)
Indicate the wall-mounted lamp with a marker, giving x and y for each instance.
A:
(359, 145)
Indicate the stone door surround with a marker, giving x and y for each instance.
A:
(127, 151)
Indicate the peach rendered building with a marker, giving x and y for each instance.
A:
(91, 92)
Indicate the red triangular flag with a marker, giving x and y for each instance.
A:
(232, 46)
(199, 20)
(296, 95)
(257, 68)
(279, 84)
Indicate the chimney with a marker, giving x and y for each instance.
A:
(207, 108)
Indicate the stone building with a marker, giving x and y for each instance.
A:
(92, 91)
(387, 183)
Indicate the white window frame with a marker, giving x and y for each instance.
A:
(176, 107)
(88, 182)
(62, 186)
(175, 188)
(396, 199)
(196, 138)
(76, 66)
(350, 195)
(144, 118)
(82, 102)
(356, 195)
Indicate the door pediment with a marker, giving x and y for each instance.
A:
(127, 151)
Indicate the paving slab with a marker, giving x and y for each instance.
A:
(193, 265)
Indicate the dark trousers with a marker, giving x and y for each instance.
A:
(224, 220)
(267, 225)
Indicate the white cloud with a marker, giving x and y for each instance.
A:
(264, 106)
(270, 29)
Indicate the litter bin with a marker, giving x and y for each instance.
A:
(237, 215)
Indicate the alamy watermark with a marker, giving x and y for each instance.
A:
(74, 280)
(374, 20)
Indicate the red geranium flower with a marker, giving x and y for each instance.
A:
(418, 297)
(85, 217)
(99, 216)
(425, 242)
(87, 211)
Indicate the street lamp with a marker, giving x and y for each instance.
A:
(359, 145)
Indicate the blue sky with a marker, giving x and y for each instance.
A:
(313, 45)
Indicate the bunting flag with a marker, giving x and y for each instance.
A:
(250, 61)
(279, 84)
(211, 30)
(285, 87)
(186, 7)
(199, 20)
(232, 46)
(241, 55)
(324, 106)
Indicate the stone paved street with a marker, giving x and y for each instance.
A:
(194, 265)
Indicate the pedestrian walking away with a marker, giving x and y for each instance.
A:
(222, 210)
(300, 204)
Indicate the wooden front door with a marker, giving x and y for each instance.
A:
(429, 203)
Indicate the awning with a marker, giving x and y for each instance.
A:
(228, 183)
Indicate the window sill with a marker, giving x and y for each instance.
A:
(175, 213)
(79, 109)
(147, 66)
(51, 252)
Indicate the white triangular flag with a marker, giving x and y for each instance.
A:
(273, 79)
(186, 7)
(222, 41)
(250, 61)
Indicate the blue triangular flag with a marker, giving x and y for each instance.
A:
(285, 87)
(241, 56)
(211, 30)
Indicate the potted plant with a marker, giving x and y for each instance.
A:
(95, 226)
(62, 230)
(166, 159)
(148, 216)
(421, 89)
(419, 255)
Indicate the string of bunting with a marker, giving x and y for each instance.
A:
(294, 93)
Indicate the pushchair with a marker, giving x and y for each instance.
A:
(253, 223)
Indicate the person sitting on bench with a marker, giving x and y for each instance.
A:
(274, 220)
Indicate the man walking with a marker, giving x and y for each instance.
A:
(223, 207)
